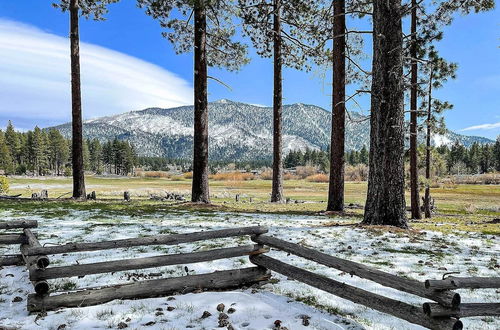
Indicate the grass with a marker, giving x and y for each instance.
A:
(459, 207)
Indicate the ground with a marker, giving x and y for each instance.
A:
(458, 239)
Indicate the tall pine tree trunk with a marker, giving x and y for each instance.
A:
(385, 204)
(336, 187)
(415, 199)
(76, 106)
(200, 191)
(427, 197)
(277, 189)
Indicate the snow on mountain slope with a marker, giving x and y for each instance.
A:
(238, 131)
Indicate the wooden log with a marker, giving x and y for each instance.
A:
(13, 239)
(38, 261)
(34, 263)
(12, 260)
(18, 224)
(399, 309)
(463, 282)
(464, 310)
(450, 299)
(141, 263)
(151, 288)
(150, 240)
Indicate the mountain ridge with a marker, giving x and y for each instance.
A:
(237, 131)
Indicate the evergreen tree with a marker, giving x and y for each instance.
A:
(58, 151)
(210, 37)
(276, 28)
(496, 154)
(6, 161)
(86, 8)
(13, 143)
(385, 204)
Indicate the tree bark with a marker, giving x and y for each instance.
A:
(415, 199)
(277, 189)
(336, 186)
(385, 203)
(76, 106)
(427, 197)
(200, 189)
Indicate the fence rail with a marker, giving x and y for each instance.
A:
(443, 313)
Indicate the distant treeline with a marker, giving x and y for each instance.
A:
(43, 152)
(477, 159)
(321, 158)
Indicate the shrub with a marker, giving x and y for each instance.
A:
(290, 176)
(306, 171)
(356, 173)
(317, 178)
(153, 174)
(266, 175)
(232, 176)
(188, 175)
(4, 185)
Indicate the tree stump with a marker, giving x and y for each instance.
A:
(126, 196)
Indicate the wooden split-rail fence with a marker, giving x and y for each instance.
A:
(444, 312)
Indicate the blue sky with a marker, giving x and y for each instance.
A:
(127, 65)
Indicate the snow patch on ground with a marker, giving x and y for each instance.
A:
(418, 256)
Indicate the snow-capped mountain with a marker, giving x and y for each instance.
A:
(238, 131)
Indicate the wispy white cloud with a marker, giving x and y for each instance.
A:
(482, 127)
(35, 78)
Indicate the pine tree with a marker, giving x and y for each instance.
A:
(385, 204)
(58, 150)
(210, 36)
(87, 8)
(276, 29)
(13, 143)
(6, 161)
(415, 199)
(496, 154)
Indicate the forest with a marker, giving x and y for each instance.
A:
(47, 152)
(401, 234)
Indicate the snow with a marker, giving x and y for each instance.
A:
(426, 255)
(440, 140)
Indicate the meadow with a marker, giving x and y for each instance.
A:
(459, 207)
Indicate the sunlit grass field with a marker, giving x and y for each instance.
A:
(459, 207)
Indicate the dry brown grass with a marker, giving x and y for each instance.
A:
(232, 176)
(290, 176)
(487, 178)
(188, 175)
(306, 171)
(317, 178)
(153, 174)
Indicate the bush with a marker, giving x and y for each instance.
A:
(318, 178)
(290, 176)
(356, 173)
(4, 185)
(306, 171)
(153, 174)
(188, 175)
(232, 176)
(266, 175)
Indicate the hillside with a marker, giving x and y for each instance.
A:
(238, 131)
